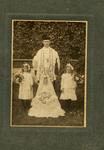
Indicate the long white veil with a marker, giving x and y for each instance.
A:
(45, 87)
(45, 103)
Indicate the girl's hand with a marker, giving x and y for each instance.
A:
(62, 89)
(17, 81)
(37, 82)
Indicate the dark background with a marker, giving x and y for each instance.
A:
(55, 138)
(67, 38)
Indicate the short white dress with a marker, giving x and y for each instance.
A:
(26, 87)
(68, 87)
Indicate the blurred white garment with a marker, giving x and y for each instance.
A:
(45, 103)
(26, 87)
(68, 87)
(44, 62)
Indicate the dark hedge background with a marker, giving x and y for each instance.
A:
(67, 38)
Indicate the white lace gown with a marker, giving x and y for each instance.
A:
(45, 103)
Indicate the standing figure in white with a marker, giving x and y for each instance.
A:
(45, 103)
(45, 61)
(68, 87)
(25, 80)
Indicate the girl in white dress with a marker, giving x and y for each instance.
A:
(68, 85)
(25, 81)
(45, 103)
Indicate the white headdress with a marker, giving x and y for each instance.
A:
(69, 65)
(26, 65)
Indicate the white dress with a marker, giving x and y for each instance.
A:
(26, 87)
(68, 87)
(45, 103)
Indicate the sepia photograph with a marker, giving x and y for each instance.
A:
(49, 73)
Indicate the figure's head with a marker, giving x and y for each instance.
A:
(46, 43)
(26, 67)
(69, 68)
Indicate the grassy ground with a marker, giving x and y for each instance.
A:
(74, 112)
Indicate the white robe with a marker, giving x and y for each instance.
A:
(45, 103)
(26, 87)
(44, 62)
(68, 87)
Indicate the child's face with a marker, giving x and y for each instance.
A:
(25, 69)
(68, 69)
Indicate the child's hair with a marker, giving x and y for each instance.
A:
(26, 65)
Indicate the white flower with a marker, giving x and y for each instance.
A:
(77, 78)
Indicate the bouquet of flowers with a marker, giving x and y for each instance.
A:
(79, 78)
(19, 78)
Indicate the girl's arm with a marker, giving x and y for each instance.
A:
(17, 81)
(31, 80)
(58, 61)
(62, 82)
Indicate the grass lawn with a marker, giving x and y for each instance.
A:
(74, 115)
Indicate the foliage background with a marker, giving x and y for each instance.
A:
(67, 38)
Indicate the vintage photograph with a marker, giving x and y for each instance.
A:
(48, 73)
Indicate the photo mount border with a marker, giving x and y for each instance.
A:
(86, 70)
